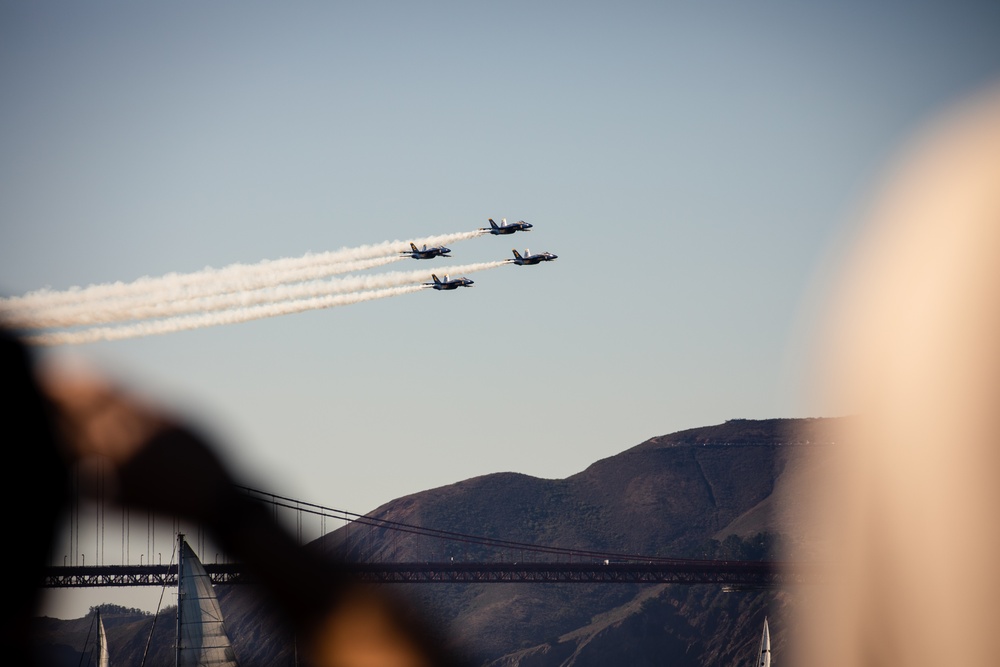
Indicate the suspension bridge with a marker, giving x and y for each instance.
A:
(372, 549)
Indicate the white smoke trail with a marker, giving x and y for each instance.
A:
(111, 311)
(159, 301)
(171, 325)
(238, 276)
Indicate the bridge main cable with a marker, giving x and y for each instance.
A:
(452, 535)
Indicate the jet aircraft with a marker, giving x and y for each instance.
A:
(504, 228)
(426, 253)
(448, 283)
(528, 258)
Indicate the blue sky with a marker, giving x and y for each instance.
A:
(694, 165)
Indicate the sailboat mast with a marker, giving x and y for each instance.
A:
(180, 593)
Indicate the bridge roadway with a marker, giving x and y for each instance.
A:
(727, 573)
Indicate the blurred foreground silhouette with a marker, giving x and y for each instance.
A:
(914, 352)
(63, 419)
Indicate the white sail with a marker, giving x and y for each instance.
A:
(103, 655)
(764, 657)
(201, 635)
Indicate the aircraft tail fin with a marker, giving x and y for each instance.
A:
(516, 253)
(436, 278)
(413, 246)
(493, 224)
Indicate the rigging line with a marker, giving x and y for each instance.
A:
(159, 606)
(90, 629)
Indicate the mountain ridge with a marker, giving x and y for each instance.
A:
(716, 491)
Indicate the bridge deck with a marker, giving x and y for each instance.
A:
(735, 573)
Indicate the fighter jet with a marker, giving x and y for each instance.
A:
(448, 283)
(426, 253)
(504, 228)
(528, 258)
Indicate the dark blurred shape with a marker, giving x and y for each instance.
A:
(37, 473)
(164, 466)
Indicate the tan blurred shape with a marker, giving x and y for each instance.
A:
(913, 349)
(365, 631)
(96, 418)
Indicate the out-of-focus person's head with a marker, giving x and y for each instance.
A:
(913, 350)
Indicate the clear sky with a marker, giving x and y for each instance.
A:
(694, 166)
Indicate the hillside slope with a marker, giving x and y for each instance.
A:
(691, 494)
(723, 491)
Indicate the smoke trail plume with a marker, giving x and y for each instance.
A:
(171, 325)
(233, 277)
(167, 299)
(109, 311)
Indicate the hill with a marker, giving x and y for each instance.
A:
(723, 491)
(716, 491)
